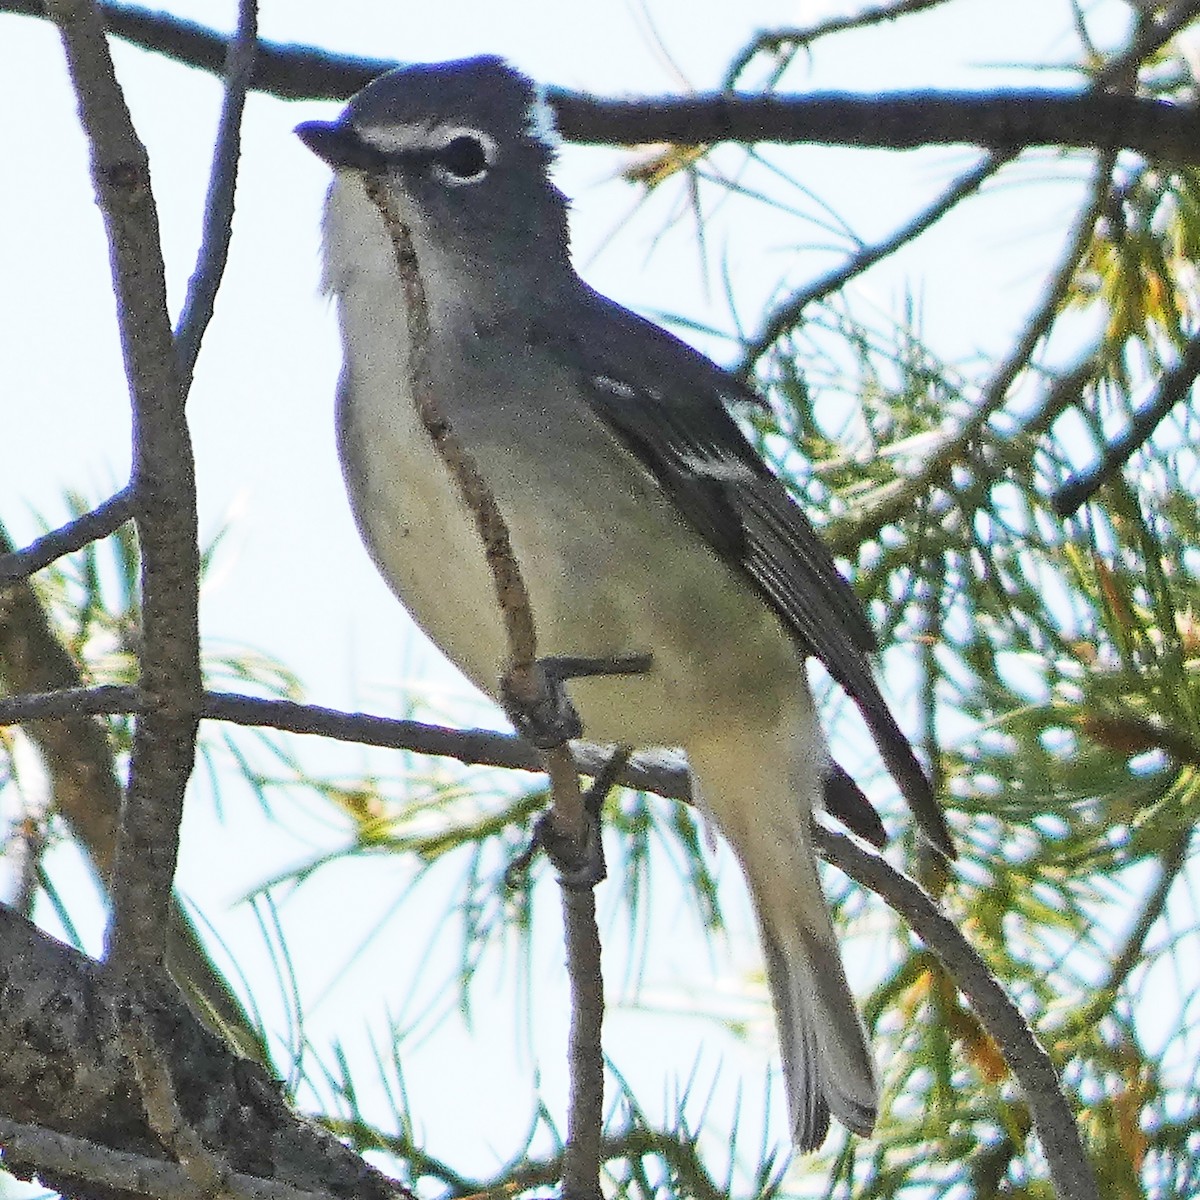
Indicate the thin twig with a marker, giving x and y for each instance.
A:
(1171, 862)
(217, 227)
(93, 526)
(898, 497)
(660, 772)
(163, 484)
(1069, 1167)
(511, 594)
(773, 41)
(585, 1056)
(1175, 386)
(525, 683)
(787, 314)
(523, 677)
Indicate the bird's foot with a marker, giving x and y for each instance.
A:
(582, 865)
(543, 714)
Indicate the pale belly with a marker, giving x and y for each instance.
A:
(608, 564)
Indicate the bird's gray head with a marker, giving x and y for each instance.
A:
(464, 149)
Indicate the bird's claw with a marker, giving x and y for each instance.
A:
(547, 718)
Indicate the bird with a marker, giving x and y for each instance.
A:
(641, 517)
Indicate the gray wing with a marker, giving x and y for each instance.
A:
(689, 443)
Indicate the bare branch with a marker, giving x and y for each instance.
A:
(290, 72)
(585, 1056)
(74, 1077)
(218, 204)
(787, 315)
(780, 41)
(165, 498)
(1175, 386)
(658, 772)
(898, 497)
(69, 702)
(1000, 121)
(1004, 121)
(1069, 1167)
(103, 520)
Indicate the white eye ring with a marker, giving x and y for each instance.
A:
(464, 156)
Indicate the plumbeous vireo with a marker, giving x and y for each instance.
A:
(641, 518)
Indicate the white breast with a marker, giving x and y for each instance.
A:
(407, 508)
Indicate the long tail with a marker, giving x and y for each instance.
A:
(827, 1065)
(760, 791)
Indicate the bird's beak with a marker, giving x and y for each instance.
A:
(340, 145)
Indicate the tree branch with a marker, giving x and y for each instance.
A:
(103, 520)
(585, 1055)
(661, 772)
(787, 315)
(62, 1155)
(780, 41)
(1003, 1021)
(217, 228)
(287, 71)
(1069, 1167)
(1174, 387)
(1003, 121)
(74, 1077)
(164, 491)
(897, 498)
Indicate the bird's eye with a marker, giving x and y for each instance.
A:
(463, 159)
